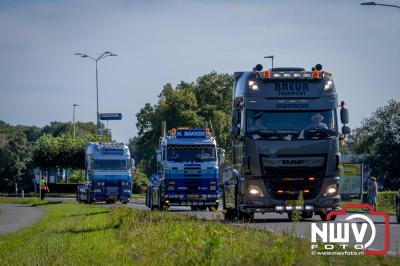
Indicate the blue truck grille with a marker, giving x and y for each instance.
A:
(112, 191)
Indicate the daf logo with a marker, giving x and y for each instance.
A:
(293, 162)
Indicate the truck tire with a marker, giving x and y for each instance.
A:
(160, 204)
(398, 212)
(307, 214)
(324, 215)
(244, 217)
(228, 212)
(151, 205)
(89, 197)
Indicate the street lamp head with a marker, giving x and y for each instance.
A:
(269, 56)
(107, 52)
(368, 4)
(76, 104)
(113, 55)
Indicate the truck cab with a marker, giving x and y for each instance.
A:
(188, 173)
(285, 142)
(108, 173)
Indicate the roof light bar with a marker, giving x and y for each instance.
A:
(289, 75)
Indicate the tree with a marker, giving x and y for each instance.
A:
(18, 159)
(59, 152)
(187, 105)
(379, 138)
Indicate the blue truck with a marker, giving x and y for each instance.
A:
(188, 173)
(108, 173)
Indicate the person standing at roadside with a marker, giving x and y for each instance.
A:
(372, 192)
(43, 187)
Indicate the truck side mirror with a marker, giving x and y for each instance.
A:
(221, 158)
(132, 163)
(235, 131)
(346, 130)
(158, 155)
(344, 115)
(235, 117)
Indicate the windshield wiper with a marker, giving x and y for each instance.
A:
(319, 132)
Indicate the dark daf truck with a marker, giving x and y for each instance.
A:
(285, 144)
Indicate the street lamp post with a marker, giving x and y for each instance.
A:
(103, 55)
(73, 118)
(378, 4)
(272, 60)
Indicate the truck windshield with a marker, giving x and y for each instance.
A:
(276, 121)
(191, 153)
(111, 164)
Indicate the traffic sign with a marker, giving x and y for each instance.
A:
(110, 116)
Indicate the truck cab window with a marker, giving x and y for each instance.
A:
(289, 120)
(196, 153)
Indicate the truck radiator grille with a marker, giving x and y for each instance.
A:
(290, 188)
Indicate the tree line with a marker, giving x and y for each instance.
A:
(23, 148)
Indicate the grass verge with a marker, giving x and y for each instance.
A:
(79, 234)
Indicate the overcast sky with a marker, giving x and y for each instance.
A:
(169, 41)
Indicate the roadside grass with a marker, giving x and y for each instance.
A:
(79, 234)
(387, 208)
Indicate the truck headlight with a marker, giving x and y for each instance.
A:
(253, 85)
(255, 191)
(331, 189)
(328, 84)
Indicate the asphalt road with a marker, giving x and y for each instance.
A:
(280, 223)
(16, 216)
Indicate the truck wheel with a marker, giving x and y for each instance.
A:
(125, 201)
(202, 208)
(151, 206)
(228, 212)
(307, 214)
(160, 205)
(245, 217)
(324, 215)
(398, 212)
(194, 208)
(88, 197)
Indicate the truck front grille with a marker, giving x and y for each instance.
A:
(290, 188)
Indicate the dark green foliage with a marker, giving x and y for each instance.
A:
(139, 180)
(379, 138)
(15, 162)
(59, 152)
(187, 105)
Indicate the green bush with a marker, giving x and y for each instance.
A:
(140, 181)
(386, 199)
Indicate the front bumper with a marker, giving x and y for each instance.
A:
(192, 199)
(113, 195)
(321, 202)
